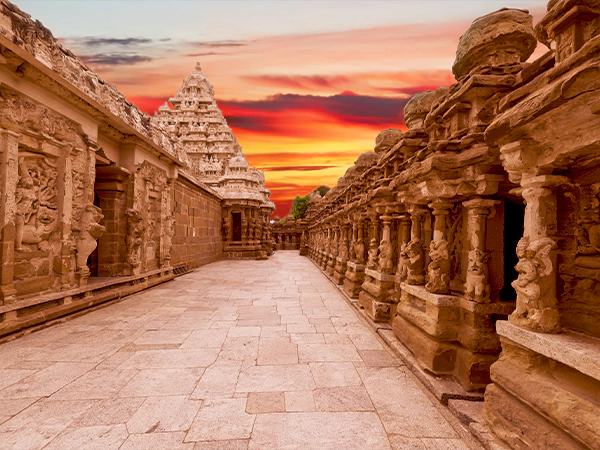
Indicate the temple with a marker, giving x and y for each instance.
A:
(216, 158)
(470, 241)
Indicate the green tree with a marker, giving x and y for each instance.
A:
(322, 190)
(299, 206)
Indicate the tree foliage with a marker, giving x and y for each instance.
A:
(322, 190)
(299, 206)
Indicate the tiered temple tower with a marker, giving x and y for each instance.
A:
(217, 160)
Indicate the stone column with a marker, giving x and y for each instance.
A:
(9, 154)
(352, 242)
(385, 247)
(439, 268)
(336, 241)
(415, 264)
(344, 251)
(374, 241)
(62, 261)
(477, 285)
(537, 306)
(244, 226)
(403, 240)
(360, 243)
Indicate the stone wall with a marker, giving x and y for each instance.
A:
(94, 206)
(197, 213)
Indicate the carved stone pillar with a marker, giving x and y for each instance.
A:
(360, 243)
(336, 241)
(403, 240)
(385, 264)
(244, 226)
(9, 147)
(537, 308)
(415, 264)
(477, 284)
(439, 268)
(352, 242)
(344, 251)
(373, 261)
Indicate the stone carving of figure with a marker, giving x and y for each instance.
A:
(90, 231)
(439, 267)
(225, 228)
(588, 243)
(373, 250)
(403, 261)
(352, 251)
(534, 311)
(344, 249)
(168, 233)
(334, 250)
(25, 198)
(415, 265)
(135, 235)
(385, 258)
(360, 251)
(36, 214)
(477, 287)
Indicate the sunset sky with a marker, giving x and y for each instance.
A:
(306, 86)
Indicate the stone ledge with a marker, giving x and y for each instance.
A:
(380, 276)
(466, 411)
(575, 350)
(91, 286)
(434, 299)
(443, 389)
(454, 301)
(357, 267)
(29, 318)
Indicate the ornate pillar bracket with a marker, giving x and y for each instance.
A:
(477, 286)
(439, 268)
(537, 306)
(385, 247)
(415, 261)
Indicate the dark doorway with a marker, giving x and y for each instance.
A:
(236, 218)
(514, 219)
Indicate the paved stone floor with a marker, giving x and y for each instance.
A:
(236, 355)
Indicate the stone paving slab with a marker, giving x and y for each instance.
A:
(235, 355)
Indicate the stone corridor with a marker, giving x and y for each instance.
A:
(235, 355)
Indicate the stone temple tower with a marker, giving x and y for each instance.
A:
(217, 160)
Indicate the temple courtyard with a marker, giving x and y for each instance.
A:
(235, 355)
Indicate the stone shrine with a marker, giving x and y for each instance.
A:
(216, 158)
